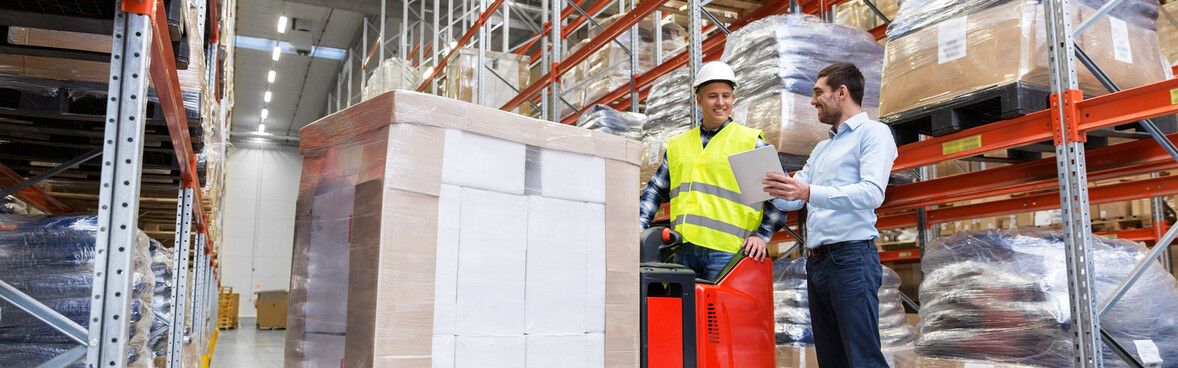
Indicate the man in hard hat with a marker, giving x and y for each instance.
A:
(696, 178)
(842, 183)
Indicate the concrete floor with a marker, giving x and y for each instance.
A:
(247, 347)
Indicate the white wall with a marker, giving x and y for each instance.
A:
(260, 190)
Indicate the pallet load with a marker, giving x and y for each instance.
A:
(668, 112)
(609, 68)
(469, 236)
(795, 337)
(952, 65)
(392, 73)
(51, 259)
(1168, 32)
(506, 74)
(857, 14)
(1002, 296)
(162, 266)
(605, 119)
(777, 60)
(228, 309)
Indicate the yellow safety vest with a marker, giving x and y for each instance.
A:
(705, 199)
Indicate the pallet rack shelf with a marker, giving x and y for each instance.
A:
(141, 48)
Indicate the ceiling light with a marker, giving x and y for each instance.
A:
(266, 97)
(429, 71)
(282, 24)
(262, 128)
(265, 113)
(277, 51)
(270, 77)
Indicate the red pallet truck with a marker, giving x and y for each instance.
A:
(690, 322)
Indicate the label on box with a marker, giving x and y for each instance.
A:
(951, 40)
(654, 156)
(1120, 33)
(1148, 353)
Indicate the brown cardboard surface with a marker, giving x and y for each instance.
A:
(796, 357)
(621, 298)
(422, 148)
(272, 309)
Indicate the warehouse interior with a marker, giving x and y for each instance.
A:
(453, 183)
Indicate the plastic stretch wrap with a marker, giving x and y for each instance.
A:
(620, 123)
(777, 60)
(1003, 296)
(161, 295)
(393, 186)
(856, 14)
(388, 76)
(503, 78)
(939, 50)
(668, 112)
(1168, 33)
(51, 258)
(792, 312)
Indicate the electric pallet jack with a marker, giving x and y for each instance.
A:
(690, 322)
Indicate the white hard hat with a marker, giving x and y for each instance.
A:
(714, 71)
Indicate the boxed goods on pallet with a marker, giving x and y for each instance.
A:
(505, 75)
(795, 337)
(272, 306)
(1168, 32)
(857, 14)
(609, 68)
(51, 259)
(942, 50)
(467, 236)
(1002, 296)
(668, 112)
(392, 73)
(603, 118)
(777, 60)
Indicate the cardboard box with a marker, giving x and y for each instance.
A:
(271, 309)
(796, 357)
(1115, 209)
(471, 237)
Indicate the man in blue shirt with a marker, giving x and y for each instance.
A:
(843, 183)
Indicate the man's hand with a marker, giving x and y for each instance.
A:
(785, 187)
(756, 248)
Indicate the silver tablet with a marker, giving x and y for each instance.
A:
(749, 168)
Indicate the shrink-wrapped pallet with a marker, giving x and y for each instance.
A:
(1002, 296)
(467, 236)
(940, 50)
(605, 119)
(668, 112)
(503, 78)
(777, 61)
(792, 314)
(392, 73)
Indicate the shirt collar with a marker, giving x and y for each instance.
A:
(851, 124)
(705, 130)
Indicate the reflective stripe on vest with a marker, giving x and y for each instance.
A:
(705, 199)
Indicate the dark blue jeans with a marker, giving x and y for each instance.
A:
(843, 287)
(706, 262)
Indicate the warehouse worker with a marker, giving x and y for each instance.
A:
(843, 182)
(695, 176)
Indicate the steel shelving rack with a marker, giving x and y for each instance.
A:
(141, 49)
(1065, 125)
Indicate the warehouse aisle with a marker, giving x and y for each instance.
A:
(247, 347)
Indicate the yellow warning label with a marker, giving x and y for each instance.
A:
(1174, 96)
(963, 144)
(905, 254)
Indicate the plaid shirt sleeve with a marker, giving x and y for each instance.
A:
(774, 218)
(657, 191)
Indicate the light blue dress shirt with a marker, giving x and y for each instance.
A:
(847, 175)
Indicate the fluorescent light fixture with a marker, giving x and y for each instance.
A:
(429, 71)
(266, 97)
(262, 44)
(270, 77)
(265, 113)
(277, 51)
(282, 24)
(262, 127)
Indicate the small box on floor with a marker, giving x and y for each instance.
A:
(271, 309)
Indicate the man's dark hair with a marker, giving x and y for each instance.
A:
(844, 74)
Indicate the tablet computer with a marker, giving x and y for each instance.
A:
(749, 168)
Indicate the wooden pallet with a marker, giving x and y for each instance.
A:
(226, 323)
(1121, 223)
(270, 328)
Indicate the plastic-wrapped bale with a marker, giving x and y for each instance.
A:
(609, 67)
(792, 312)
(777, 60)
(941, 50)
(510, 76)
(391, 74)
(394, 187)
(161, 296)
(1168, 34)
(51, 258)
(1002, 296)
(668, 112)
(620, 123)
(857, 15)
